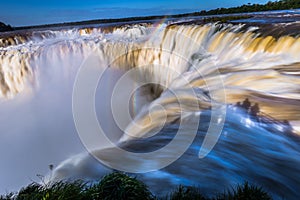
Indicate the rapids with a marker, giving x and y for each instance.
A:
(221, 63)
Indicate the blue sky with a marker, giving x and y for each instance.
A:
(33, 12)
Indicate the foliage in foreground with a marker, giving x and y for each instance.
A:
(186, 193)
(241, 192)
(60, 190)
(249, 192)
(119, 186)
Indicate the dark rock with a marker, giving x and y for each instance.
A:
(4, 27)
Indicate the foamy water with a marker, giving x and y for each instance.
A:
(38, 71)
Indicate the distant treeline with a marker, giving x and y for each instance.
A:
(277, 5)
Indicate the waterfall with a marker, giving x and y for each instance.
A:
(268, 64)
(191, 71)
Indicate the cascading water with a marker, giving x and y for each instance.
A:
(263, 68)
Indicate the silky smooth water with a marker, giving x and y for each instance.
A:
(198, 63)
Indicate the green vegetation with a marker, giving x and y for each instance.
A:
(186, 193)
(119, 186)
(249, 192)
(241, 192)
(60, 190)
(276, 5)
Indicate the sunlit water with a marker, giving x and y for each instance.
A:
(38, 70)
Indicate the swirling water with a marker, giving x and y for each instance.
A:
(38, 70)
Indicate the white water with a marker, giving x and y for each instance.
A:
(37, 74)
